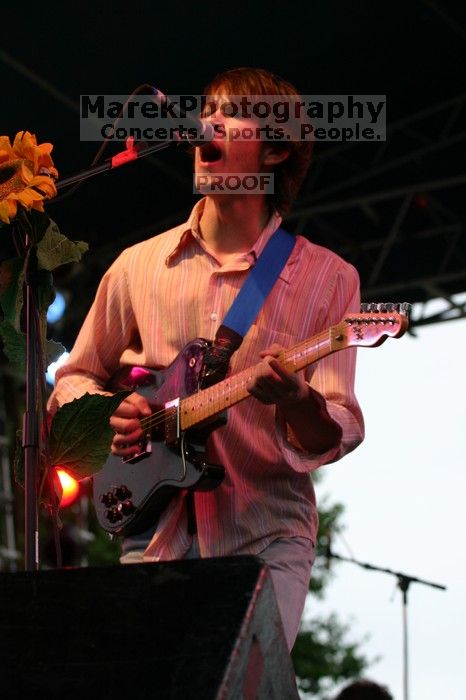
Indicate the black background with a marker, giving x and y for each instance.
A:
(412, 51)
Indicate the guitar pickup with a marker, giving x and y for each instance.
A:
(172, 421)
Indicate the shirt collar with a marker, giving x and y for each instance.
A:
(190, 231)
(185, 232)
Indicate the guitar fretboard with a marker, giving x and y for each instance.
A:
(209, 402)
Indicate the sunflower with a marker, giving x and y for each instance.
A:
(27, 174)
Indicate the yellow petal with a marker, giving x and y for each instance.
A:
(6, 156)
(50, 170)
(6, 151)
(45, 184)
(4, 212)
(38, 206)
(45, 159)
(25, 146)
(27, 197)
(24, 140)
(8, 209)
(25, 171)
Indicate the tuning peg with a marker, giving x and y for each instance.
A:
(386, 307)
(369, 307)
(405, 308)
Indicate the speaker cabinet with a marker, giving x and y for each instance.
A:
(199, 629)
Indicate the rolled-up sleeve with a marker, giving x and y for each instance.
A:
(333, 377)
(107, 331)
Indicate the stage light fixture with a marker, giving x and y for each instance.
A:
(52, 368)
(56, 308)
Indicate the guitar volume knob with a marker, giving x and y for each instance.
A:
(122, 492)
(126, 507)
(113, 514)
(108, 499)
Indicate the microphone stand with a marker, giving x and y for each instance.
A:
(30, 421)
(31, 428)
(132, 152)
(403, 584)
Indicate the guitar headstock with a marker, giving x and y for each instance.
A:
(375, 324)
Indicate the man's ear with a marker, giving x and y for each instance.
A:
(271, 155)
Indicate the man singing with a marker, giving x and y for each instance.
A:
(162, 293)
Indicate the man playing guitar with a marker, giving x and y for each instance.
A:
(160, 294)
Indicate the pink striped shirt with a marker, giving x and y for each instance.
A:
(164, 292)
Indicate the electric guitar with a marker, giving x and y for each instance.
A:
(130, 495)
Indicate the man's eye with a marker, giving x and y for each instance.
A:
(209, 109)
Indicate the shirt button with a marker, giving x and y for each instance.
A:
(213, 316)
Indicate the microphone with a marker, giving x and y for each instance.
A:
(204, 130)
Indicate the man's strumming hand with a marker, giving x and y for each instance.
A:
(126, 424)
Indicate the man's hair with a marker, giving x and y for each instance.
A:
(364, 689)
(290, 173)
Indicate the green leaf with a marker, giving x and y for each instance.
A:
(45, 290)
(11, 290)
(46, 499)
(14, 344)
(323, 655)
(55, 249)
(35, 221)
(80, 434)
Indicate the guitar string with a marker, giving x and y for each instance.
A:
(159, 417)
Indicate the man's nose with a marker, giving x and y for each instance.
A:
(218, 122)
(214, 113)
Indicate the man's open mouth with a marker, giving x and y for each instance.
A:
(210, 153)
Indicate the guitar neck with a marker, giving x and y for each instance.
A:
(209, 402)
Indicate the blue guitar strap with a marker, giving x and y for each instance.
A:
(247, 305)
(259, 282)
(239, 318)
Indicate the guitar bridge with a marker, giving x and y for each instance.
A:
(146, 448)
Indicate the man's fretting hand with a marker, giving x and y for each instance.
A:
(273, 383)
(303, 408)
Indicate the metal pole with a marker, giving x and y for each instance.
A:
(31, 429)
(404, 587)
(403, 583)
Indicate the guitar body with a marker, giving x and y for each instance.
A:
(129, 496)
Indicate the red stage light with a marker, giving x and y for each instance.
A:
(70, 488)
